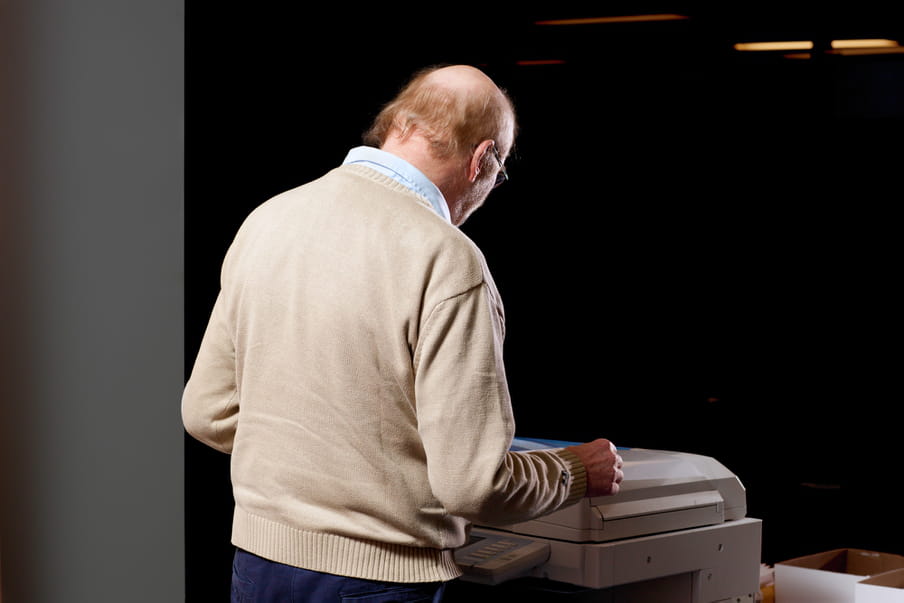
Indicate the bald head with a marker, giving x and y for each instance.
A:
(462, 79)
(454, 108)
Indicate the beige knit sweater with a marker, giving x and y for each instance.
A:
(353, 368)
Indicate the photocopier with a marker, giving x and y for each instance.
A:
(677, 532)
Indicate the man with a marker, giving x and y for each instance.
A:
(353, 366)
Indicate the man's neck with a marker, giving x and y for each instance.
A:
(415, 149)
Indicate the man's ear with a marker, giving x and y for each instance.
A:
(477, 159)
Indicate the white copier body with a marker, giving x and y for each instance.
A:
(676, 532)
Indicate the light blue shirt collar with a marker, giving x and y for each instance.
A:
(400, 170)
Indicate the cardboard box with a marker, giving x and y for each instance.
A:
(829, 577)
(884, 588)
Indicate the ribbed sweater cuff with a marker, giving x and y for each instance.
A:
(578, 485)
(340, 555)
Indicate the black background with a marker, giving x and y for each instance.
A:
(697, 248)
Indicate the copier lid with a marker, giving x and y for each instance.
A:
(662, 491)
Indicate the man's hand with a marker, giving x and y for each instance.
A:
(603, 464)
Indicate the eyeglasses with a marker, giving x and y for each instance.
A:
(501, 175)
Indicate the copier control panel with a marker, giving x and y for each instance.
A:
(491, 558)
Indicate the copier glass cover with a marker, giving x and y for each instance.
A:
(662, 491)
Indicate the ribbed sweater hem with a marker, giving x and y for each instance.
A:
(341, 555)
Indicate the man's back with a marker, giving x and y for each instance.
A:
(326, 292)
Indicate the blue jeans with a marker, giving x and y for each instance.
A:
(258, 580)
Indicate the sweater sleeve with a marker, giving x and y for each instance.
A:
(210, 401)
(466, 422)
